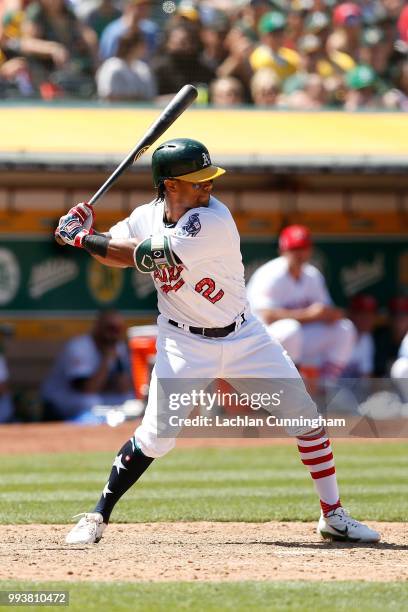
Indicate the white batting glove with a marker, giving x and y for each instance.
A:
(71, 230)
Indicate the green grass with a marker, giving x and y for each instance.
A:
(237, 596)
(225, 484)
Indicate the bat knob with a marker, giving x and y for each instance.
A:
(59, 241)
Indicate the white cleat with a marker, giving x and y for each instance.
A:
(341, 527)
(88, 530)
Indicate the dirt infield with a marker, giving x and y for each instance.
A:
(61, 437)
(200, 551)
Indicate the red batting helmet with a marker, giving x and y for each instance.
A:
(294, 237)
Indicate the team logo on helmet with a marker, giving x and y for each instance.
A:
(206, 160)
(192, 227)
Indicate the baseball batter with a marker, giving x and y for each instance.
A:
(290, 296)
(187, 240)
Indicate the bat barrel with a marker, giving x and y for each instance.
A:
(173, 110)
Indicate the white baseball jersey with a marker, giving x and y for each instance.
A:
(207, 289)
(272, 286)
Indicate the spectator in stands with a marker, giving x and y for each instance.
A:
(126, 77)
(328, 61)
(15, 77)
(239, 46)
(374, 50)
(102, 16)
(135, 18)
(91, 370)
(311, 96)
(290, 296)
(347, 22)
(14, 45)
(251, 12)
(271, 53)
(317, 77)
(179, 63)
(226, 91)
(215, 27)
(70, 67)
(361, 90)
(265, 87)
(363, 311)
(6, 405)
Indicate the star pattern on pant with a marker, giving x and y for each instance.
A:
(118, 463)
(106, 490)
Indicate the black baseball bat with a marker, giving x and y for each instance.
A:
(173, 110)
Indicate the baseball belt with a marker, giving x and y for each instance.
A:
(211, 332)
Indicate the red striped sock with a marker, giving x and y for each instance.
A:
(326, 508)
(316, 454)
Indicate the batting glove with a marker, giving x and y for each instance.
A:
(83, 212)
(71, 231)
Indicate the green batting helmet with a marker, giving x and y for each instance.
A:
(185, 159)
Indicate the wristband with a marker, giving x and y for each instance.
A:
(96, 244)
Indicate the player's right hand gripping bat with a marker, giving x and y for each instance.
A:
(173, 110)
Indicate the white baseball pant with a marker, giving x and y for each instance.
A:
(248, 354)
(315, 344)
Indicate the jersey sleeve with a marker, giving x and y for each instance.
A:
(201, 236)
(128, 228)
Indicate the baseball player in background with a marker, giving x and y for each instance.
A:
(363, 311)
(188, 241)
(290, 296)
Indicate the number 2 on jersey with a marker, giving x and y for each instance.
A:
(209, 286)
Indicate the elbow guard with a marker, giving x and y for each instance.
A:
(154, 253)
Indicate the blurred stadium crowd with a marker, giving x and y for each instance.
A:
(296, 54)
